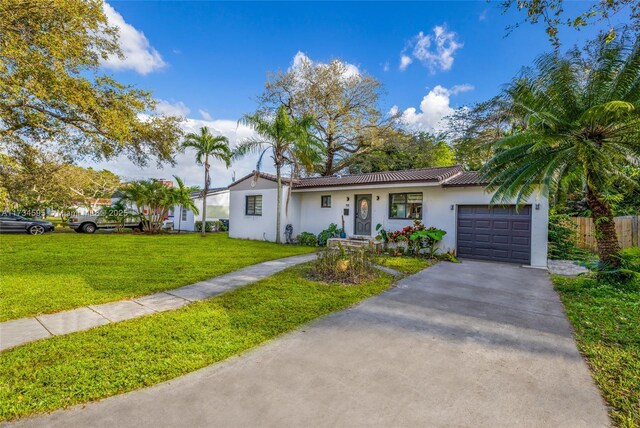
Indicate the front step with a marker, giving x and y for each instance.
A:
(354, 243)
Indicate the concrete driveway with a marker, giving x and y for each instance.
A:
(474, 344)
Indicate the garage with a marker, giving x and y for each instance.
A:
(497, 233)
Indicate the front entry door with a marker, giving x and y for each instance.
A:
(363, 215)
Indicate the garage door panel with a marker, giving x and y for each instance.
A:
(501, 239)
(494, 233)
(521, 225)
(465, 223)
(520, 240)
(482, 224)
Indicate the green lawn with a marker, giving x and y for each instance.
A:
(406, 265)
(607, 324)
(116, 358)
(53, 272)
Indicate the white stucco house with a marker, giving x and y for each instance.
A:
(448, 198)
(217, 209)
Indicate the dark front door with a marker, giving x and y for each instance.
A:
(363, 215)
(500, 233)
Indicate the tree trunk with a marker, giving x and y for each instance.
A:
(203, 226)
(279, 202)
(328, 164)
(606, 237)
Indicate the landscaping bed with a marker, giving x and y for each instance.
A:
(54, 272)
(113, 359)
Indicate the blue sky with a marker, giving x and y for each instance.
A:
(209, 60)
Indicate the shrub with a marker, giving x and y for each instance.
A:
(208, 226)
(426, 239)
(219, 226)
(339, 265)
(625, 277)
(333, 231)
(308, 239)
(630, 258)
(563, 239)
(417, 237)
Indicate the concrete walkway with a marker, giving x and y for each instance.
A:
(475, 344)
(25, 330)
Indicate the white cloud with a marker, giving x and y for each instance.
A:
(186, 167)
(435, 50)
(205, 115)
(405, 60)
(483, 15)
(301, 58)
(434, 107)
(171, 109)
(385, 66)
(138, 53)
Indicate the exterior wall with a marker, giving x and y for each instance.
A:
(220, 199)
(437, 202)
(306, 215)
(261, 227)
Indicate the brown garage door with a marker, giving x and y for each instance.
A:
(499, 233)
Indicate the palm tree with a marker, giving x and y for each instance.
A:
(582, 125)
(207, 146)
(182, 198)
(156, 199)
(289, 143)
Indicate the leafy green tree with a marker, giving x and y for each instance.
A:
(53, 93)
(341, 105)
(554, 15)
(582, 125)
(420, 150)
(207, 146)
(472, 130)
(88, 185)
(31, 180)
(288, 141)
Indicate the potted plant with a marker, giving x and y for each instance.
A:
(343, 234)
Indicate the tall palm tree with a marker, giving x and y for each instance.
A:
(582, 125)
(207, 146)
(289, 143)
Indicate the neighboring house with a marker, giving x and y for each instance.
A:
(448, 198)
(217, 209)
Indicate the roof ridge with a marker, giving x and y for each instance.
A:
(384, 172)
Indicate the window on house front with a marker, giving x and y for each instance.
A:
(254, 205)
(184, 214)
(405, 205)
(325, 201)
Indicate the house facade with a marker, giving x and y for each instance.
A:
(217, 209)
(448, 198)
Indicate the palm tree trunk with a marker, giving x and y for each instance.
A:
(203, 226)
(279, 202)
(606, 237)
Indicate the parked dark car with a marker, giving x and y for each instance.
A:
(13, 223)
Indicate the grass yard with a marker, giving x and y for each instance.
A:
(406, 265)
(54, 272)
(116, 358)
(607, 324)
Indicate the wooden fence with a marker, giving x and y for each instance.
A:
(626, 228)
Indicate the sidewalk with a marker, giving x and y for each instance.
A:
(25, 330)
